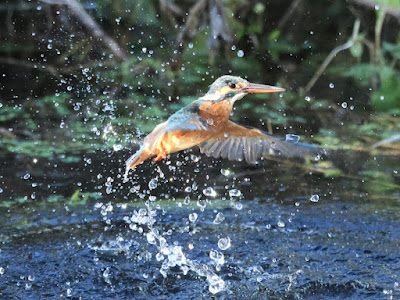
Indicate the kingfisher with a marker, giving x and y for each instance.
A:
(205, 123)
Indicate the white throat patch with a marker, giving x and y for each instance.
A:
(238, 97)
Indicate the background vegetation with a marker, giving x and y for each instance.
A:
(89, 75)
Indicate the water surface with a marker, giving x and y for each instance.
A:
(77, 230)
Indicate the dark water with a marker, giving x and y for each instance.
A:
(67, 230)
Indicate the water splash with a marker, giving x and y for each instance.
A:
(173, 255)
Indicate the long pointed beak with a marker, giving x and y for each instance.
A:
(261, 88)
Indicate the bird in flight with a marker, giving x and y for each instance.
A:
(205, 123)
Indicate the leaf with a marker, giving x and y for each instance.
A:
(393, 49)
(357, 49)
(75, 196)
(274, 35)
(395, 3)
(387, 96)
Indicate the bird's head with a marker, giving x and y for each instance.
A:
(233, 88)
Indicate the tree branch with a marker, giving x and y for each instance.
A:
(390, 10)
(184, 36)
(87, 21)
(292, 8)
(332, 54)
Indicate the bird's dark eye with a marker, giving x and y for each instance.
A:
(232, 86)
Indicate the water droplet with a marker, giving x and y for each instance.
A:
(108, 185)
(209, 192)
(217, 256)
(314, 198)
(26, 176)
(176, 257)
(240, 53)
(382, 98)
(106, 272)
(69, 88)
(193, 217)
(238, 206)
(153, 183)
(331, 85)
(117, 147)
(186, 201)
(159, 256)
(151, 238)
(308, 99)
(344, 104)
(219, 218)
(235, 193)
(292, 138)
(216, 284)
(210, 121)
(2, 270)
(281, 224)
(225, 172)
(224, 243)
(194, 158)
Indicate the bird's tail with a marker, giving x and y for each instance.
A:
(140, 156)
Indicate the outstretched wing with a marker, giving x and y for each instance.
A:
(236, 142)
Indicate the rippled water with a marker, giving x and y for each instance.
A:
(194, 228)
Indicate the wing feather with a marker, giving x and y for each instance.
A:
(239, 152)
(226, 148)
(237, 142)
(234, 148)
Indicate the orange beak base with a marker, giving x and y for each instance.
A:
(262, 88)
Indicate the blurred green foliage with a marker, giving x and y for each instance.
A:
(63, 90)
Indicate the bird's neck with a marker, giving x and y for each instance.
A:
(216, 114)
